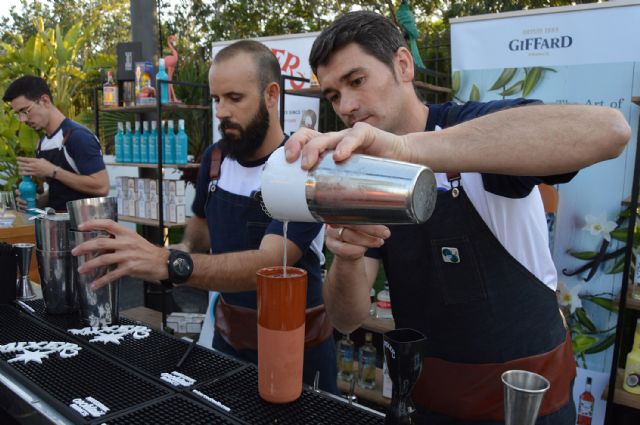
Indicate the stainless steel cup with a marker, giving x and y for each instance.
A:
(97, 307)
(523, 394)
(362, 189)
(83, 210)
(57, 281)
(24, 289)
(51, 232)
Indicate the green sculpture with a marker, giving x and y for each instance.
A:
(408, 24)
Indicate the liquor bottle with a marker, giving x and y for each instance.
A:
(169, 153)
(119, 142)
(182, 144)
(383, 305)
(632, 369)
(135, 144)
(345, 358)
(367, 363)
(585, 405)
(153, 143)
(27, 189)
(144, 143)
(110, 91)
(635, 287)
(126, 144)
(164, 87)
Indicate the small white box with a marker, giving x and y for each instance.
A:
(172, 186)
(178, 200)
(194, 328)
(141, 209)
(120, 203)
(181, 217)
(180, 186)
(173, 213)
(130, 207)
(151, 210)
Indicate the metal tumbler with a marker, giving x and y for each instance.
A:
(57, 281)
(360, 190)
(51, 231)
(24, 289)
(82, 210)
(97, 307)
(523, 394)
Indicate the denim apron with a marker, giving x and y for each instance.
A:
(238, 223)
(59, 194)
(481, 311)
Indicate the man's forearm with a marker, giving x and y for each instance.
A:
(534, 140)
(346, 293)
(95, 184)
(196, 235)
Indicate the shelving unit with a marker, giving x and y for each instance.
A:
(158, 109)
(626, 303)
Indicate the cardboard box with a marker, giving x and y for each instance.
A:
(141, 209)
(181, 217)
(120, 203)
(152, 210)
(145, 90)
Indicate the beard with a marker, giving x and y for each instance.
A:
(249, 140)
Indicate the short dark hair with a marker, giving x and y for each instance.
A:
(266, 63)
(29, 86)
(374, 33)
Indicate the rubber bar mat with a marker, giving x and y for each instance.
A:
(238, 392)
(152, 352)
(176, 410)
(79, 382)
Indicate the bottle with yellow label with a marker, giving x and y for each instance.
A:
(632, 370)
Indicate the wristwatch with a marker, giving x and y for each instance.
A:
(179, 266)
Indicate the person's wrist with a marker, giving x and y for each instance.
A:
(55, 172)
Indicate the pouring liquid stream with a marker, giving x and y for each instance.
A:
(285, 225)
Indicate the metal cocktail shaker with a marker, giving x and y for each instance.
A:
(362, 189)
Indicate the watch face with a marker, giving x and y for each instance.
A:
(181, 266)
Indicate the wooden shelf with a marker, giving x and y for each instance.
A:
(622, 397)
(635, 99)
(378, 325)
(153, 108)
(147, 165)
(631, 303)
(373, 396)
(147, 221)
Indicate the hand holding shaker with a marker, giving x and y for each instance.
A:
(360, 190)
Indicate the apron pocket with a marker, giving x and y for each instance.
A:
(254, 234)
(459, 276)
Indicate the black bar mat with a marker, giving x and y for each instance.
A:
(239, 393)
(87, 380)
(154, 353)
(176, 410)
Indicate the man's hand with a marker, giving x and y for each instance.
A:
(362, 138)
(38, 167)
(20, 203)
(352, 241)
(130, 253)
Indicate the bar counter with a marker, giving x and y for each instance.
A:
(65, 373)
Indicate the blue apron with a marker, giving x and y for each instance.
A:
(238, 223)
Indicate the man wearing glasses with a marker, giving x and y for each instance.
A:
(68, 156)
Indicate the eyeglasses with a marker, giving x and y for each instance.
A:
(24, 113)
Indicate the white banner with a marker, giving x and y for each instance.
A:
(292, 52)
(578, 35)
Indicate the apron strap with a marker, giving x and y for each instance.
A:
(216, 162)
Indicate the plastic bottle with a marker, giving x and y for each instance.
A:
(182, 144)
(153, 143)
(367, 363)
(632, 369)
(383, 305)
(27, 189)
(169, 153)
(144, 143)
(135, 144)
(126, 145)
(119, 142)
(345, 358)
(164, 87)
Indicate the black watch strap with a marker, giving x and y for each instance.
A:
(179, 267)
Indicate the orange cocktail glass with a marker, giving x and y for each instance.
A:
(281, 320)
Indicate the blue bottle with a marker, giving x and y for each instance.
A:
(182, 144)
(27, 190)
(135, 144)
(153, 143)
(164, 87)
(126, 145)
(119, 141)
(170, 145)
(144, 143)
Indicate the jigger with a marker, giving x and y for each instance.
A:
(403, 352)
(24, 290)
